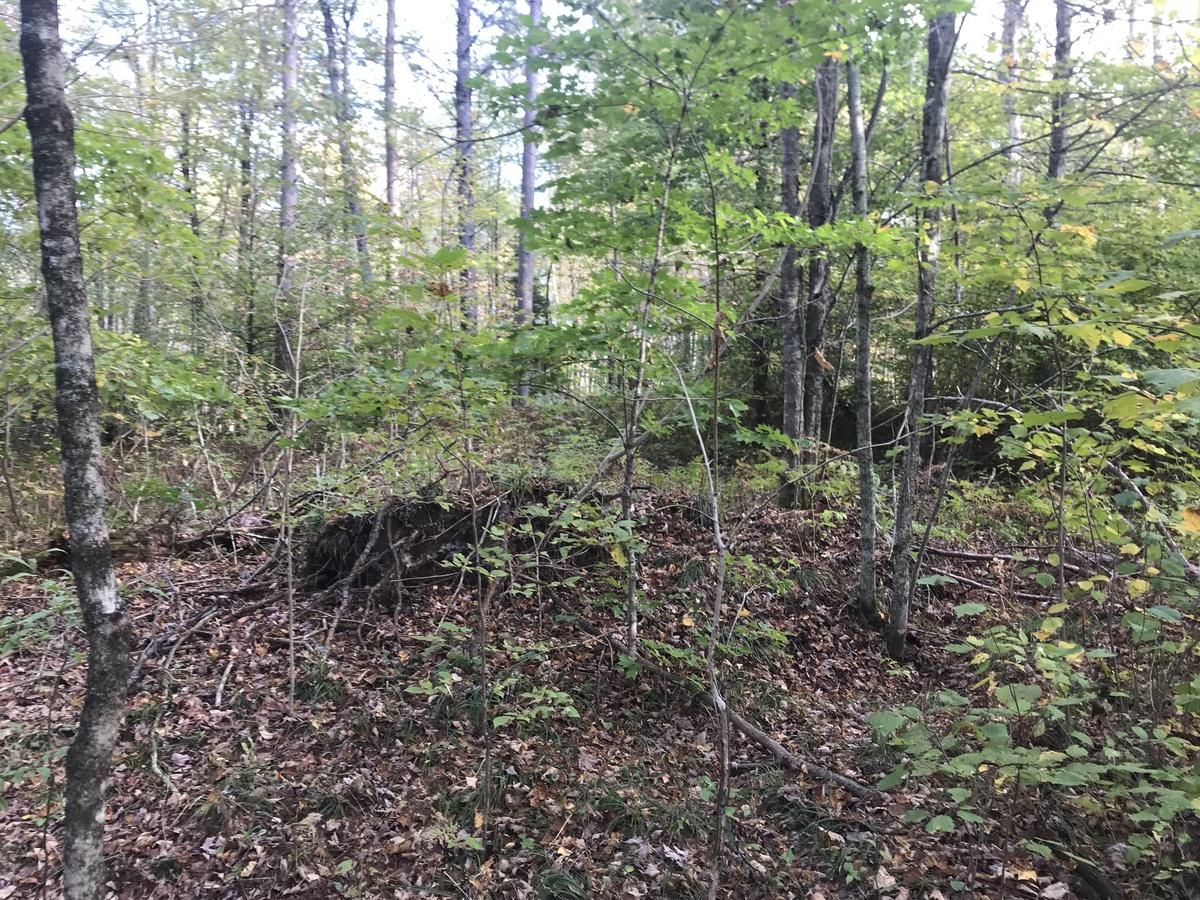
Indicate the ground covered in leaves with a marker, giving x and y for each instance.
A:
(406, 771)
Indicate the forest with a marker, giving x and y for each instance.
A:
(600, 448)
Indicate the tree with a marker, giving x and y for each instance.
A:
(336, 69)
(863, 290)
(390, 149)
(941, 39)
(288, 192)
(529, 156)
(1014, 12)
(106, 621)
(791, 314)
(1059, 137)
(464, 146)
(820, 209)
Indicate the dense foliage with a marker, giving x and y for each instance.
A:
(1062, 403)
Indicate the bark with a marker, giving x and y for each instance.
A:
(1059, 100)
(820, 212)
(245, 243)
(390, 151)
(941, 40)
(285, 327)
(529, 159)
(339, 90)
(863, 291)
(790, 314)
(1014, 13)
(464, 145)
(107, 624)
(188, 173)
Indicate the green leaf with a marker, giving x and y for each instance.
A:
(939, 823)
(886, 722)
(970, 609)
(1020, 698)
(1040, 849)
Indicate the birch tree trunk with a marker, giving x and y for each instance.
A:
(941, 40)
(464, 145)
(791, 324)
(1060, 98)
(390, 151)
(1014, 13)
(285, 327)
(107, 624)
(863, 291)
(820, 212)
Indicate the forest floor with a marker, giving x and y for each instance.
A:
(383, 781)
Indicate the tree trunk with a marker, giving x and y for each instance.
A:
(529, 158)
(1014, 13)
(464, 145)
(791, 315)
(285, 327)
(339, 90)
(942, 37)
(820, 212)
(390, 152)
(188, 173)
(107, 624)
(863, 290)
(1059, 99)
(245, 242)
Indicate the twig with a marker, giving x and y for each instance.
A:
(221, 683)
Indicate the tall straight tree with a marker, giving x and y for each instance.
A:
(791, 314)
(820, 209)
(106, 621)
(529, 158)
(336, 65)
(1057, 167)
(1014, 13)
(943, 34)
(863, 291)
(288, 191)
(391, 152)
(464, 145)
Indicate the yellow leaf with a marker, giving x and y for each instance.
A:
(618, 556)
(1130, 549)
(1137, 587)
(743, 613)
(1121, 339)
(689, 621)
(834, 54)
(981, 430)
(478, 819)
(1022, 284)
(631, 109)
(1190, 519)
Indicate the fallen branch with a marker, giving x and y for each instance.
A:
(988, 557)
(186, 630)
